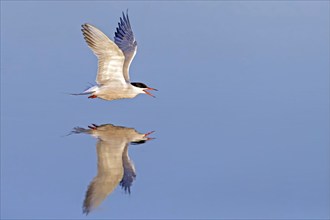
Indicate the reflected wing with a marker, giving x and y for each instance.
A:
(110, 172)
(110, 58)
(129, 172)
(125, 40)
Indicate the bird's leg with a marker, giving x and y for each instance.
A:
(92, 97)
(93, 126)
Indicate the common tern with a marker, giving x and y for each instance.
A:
(114, 60)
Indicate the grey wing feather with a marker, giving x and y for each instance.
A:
(129, 172)
(125, 40)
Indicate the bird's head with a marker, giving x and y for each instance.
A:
(143, 88)
(142, 138)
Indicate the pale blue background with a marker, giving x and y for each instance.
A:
(241, 116)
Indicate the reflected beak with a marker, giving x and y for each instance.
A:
(147, 134)
(148, 93)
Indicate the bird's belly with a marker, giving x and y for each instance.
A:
(112, 94)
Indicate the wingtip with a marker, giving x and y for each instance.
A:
(125, 16)
(84, 27)
(126, 12)
(86, 211)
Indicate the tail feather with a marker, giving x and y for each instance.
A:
(91, 89)
(88, 91)
(78, 130)
(83, 93)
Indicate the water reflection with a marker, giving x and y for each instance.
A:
(113, 163)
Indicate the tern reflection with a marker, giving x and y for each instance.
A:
(113, 163)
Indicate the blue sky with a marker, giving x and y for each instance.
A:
(241, 115)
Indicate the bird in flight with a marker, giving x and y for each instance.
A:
(114, 60)
(114, 167)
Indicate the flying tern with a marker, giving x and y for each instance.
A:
(114, 60)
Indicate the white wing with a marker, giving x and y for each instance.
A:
(125, 40)
(110, 57)
(109, 173)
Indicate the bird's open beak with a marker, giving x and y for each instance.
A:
(149, 138)
(148, 93)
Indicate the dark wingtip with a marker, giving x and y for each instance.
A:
(86, 211)
(84, 28)
(125, 17)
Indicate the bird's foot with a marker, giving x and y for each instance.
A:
(92, 97)
(93, 126)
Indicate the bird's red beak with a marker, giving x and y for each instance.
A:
(148, 93)
(147, 134)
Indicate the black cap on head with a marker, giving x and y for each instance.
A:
(140, 85)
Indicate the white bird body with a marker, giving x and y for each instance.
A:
(113, 163)
(114, 60)
(114, 90)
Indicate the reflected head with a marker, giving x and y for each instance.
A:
(138, 142)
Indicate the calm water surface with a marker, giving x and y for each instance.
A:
(241, 118)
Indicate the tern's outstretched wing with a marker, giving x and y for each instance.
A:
(110, 58)
(125, 40)
(129, 172)
(109, 173)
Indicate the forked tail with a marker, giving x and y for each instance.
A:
(88, 91)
